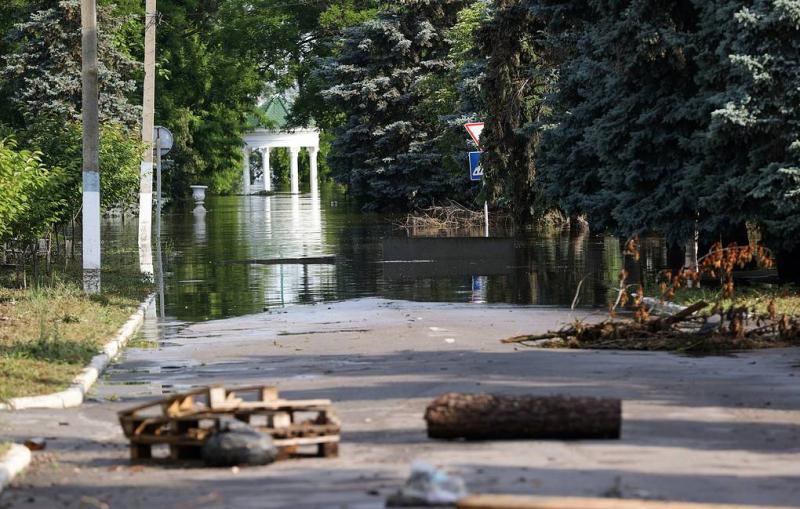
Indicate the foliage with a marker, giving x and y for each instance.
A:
(319, 34)
(516, 80)
(217, 58)
(754, 134)
(675, 115)
(388, 83)
(621, 146)
(42, 74)
(27, 210)
(61, 147)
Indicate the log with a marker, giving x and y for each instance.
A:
(685, 313)
(488, 416)
(538, 502)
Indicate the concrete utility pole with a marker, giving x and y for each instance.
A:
(91, 153)
(148, 121)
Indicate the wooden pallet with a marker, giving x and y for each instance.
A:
(184, 422)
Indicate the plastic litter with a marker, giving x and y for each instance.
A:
(428, 486)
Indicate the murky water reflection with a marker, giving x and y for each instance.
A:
(220, 261)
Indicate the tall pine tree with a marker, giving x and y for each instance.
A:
(385, 150)
(624, 123)
(753, 169)
(516, 81)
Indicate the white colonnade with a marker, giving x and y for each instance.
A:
(264, 140)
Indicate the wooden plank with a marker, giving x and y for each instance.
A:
(269, 393)
(487, 501)
(279, 420)
(283, 442)
(193, 436)
(310, 405)
(141, 452)
(328, 450)
(160, 402)
(167, 439)
(217, 396)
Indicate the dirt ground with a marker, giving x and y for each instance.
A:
(717, 429)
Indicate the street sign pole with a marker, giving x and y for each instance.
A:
(158, 189)
(475, 129)
(163, 138)
(486, 211)
(158, 228)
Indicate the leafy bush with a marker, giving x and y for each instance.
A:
(120, 156)
(27, 206)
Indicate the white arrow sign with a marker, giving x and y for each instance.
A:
(475, 129)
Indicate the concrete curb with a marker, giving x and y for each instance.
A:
(74, 395)
(12, 463)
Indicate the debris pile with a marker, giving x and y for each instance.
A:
(734, 328)
(437, 218)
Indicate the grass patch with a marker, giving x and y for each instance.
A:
(49, 332)
(4, 448)
(757, 298)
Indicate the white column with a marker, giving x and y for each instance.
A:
(312, 157)
(265, 168)
(293, 153)
(246, 170)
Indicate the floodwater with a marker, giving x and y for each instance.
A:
(239, 255)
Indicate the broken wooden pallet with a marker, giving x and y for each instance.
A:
(184, 422)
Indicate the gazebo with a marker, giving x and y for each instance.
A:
(263, 140)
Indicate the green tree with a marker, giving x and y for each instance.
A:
(622, 148)
(754, 134)
(386, 84)
(27, 207)
(41, 75)
(516, 80)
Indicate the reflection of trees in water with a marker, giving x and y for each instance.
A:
(547, 270)
(199, 259)
(542, 270)
(358, 269)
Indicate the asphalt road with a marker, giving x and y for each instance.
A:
(718, 429)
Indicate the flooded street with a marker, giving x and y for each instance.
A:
(224, 259)
(302, 294)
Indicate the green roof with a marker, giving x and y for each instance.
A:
(277, 112)
(275, 115)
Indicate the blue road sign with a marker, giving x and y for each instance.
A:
(475, 170)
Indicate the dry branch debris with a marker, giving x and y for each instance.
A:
(736, 328)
